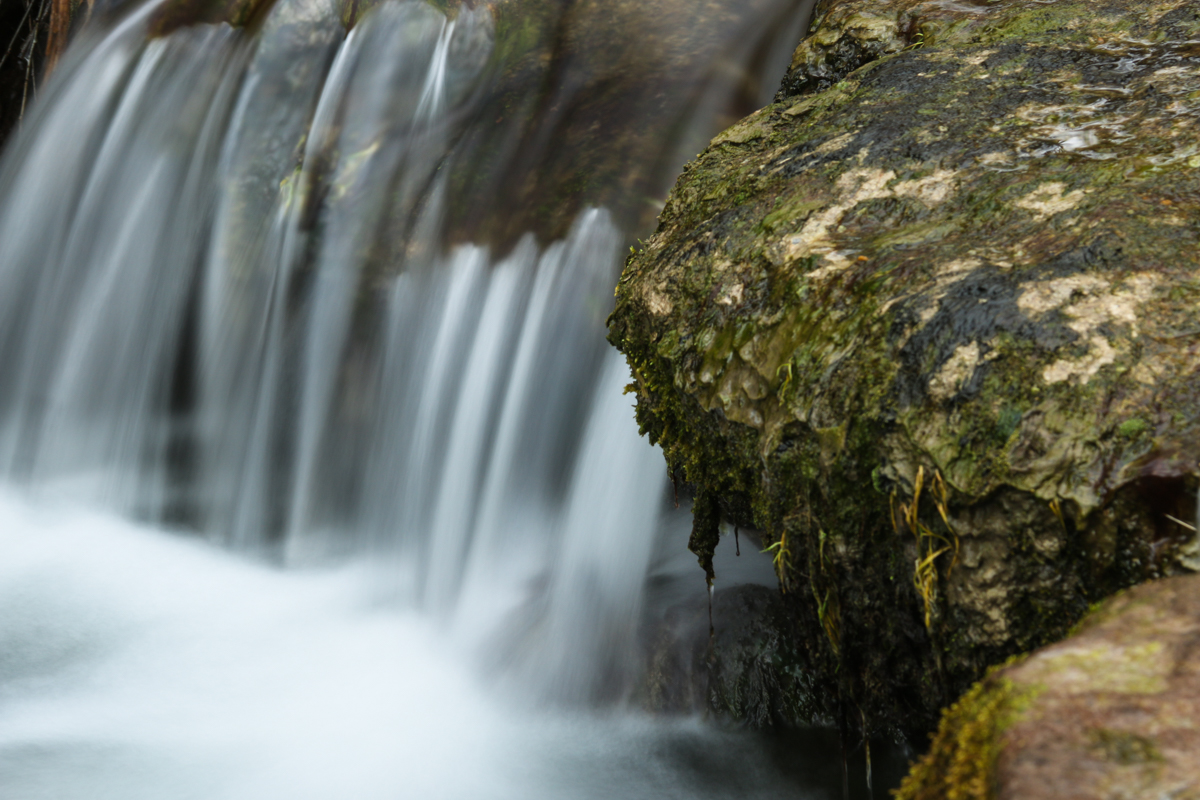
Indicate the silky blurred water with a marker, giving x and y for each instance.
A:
(302, 497)
(135, 664)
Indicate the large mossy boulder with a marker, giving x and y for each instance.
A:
(932, 329)
(1109, 712)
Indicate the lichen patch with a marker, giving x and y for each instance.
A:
(932, 190)
(1100, 354)
(1088, 308)
(657, 300)
(854, 187)
(1049, 199)
(978, 58)
(955, 372)
(1041, 296)
(833, 145)
(732, 295)
(834, 262)
(1118, 307)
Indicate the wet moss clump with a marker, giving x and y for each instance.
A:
(931, 327)
(961, 763)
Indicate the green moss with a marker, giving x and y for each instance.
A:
(1123, 747)
(1061, 20)
(788, 215)
(961, 761)
(1132, 428)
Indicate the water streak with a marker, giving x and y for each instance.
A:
(230, 306)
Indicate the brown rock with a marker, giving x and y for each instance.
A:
(1110, 712)
(846, 34)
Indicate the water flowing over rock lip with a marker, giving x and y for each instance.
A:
(584, 104)
(230, 310)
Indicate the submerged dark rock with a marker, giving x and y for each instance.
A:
(932, 329)
(748, 669)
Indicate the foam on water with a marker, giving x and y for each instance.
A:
(137, 665)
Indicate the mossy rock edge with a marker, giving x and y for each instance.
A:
(1108, 712)
(932, 330)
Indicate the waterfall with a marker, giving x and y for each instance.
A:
(239, 302)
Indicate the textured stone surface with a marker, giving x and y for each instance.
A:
(745, 670)
(934, 329)
(846, 34)
(1111, 712)
(590, 106)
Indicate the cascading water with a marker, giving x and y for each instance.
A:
(231, 303)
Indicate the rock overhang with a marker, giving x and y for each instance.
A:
(970, 261)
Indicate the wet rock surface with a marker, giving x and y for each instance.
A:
(847, 34)
(583, 103)
(1109, 712)
(933, 330)
(746, 670)
(590, 100)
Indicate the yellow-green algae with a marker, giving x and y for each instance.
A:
(961, 761)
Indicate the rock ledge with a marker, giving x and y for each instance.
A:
(934, 331)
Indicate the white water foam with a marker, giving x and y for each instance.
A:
(136, 666)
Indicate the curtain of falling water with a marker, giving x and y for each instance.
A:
(229, 304)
